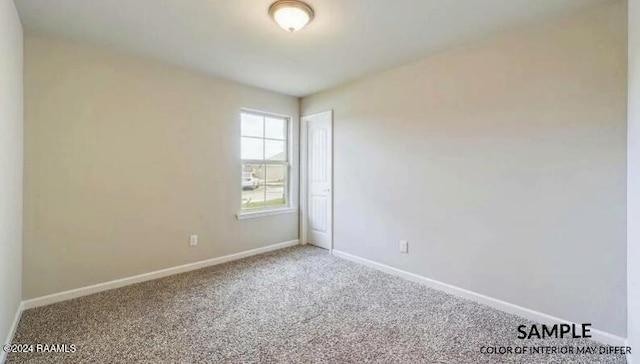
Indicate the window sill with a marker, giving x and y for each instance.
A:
(244, 215)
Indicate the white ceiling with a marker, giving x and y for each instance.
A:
(236, 39)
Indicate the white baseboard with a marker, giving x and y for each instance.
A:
(12, 332)
(597, 335)
(84, 291)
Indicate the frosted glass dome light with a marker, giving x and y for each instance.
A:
(291, 15)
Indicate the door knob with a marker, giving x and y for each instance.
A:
(327, 190)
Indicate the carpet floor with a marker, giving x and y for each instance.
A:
(297, 305)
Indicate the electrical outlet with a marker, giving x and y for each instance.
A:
(193, 240)
(404, 246)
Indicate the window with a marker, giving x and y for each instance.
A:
(265, 161)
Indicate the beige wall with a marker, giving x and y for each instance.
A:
(10, 165)
(124, 159)
(502, 163)
(634, 178)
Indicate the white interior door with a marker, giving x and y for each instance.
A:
(319, 179)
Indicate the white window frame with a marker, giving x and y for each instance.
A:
(268, 211)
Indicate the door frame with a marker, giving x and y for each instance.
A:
(304, 176)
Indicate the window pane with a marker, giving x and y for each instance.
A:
(252, 125)
(275, 185)
(252, 148)
(275, 128)
(275, 150)
(253, 190)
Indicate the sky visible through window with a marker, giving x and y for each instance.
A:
(263, 136)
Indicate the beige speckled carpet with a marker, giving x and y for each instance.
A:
(298, 305)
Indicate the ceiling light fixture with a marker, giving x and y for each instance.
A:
(291, 15)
